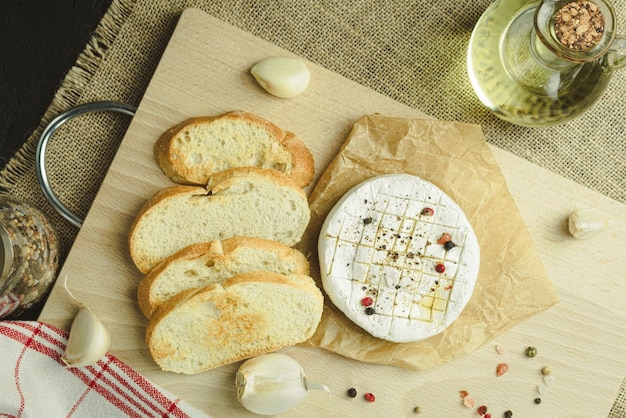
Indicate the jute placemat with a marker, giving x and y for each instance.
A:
(411, 50)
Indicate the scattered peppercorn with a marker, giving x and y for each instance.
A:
(482, 410)
(367, 221)
(537, 401)
(417, 410)
(508, 414)
(546, 371)
(369, 397)
(469, 401)
(463, 393)
(445, 237)
(501, 369)
(352, 392)
(531, 352)
(440, 268)
(428, 211)
(367, 301)
(449, 245)
(370, 311)
(487, 416)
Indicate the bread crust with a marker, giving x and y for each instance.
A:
(218, 252)
(302, 167)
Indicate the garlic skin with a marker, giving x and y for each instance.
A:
(587, 223)
(284, 77)
(89, 340)
(272, 384)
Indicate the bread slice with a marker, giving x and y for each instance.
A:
(190, 152)
(250, 314)
(240, 202)
(199, 265)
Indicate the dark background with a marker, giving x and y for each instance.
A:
(39, 43)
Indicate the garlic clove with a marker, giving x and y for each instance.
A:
(89, 340)
(284, 77)
(587, 223)
(272, 384)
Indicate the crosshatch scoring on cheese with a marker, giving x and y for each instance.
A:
(398, 257)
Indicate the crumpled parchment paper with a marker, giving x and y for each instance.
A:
(512, 283)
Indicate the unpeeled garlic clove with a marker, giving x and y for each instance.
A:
(587, 223)
(272, 384)
(89, 340)
(284, 77)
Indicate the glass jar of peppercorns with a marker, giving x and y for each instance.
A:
(29, 257)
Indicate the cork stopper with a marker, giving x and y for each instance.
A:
(579, 25)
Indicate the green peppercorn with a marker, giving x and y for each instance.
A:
(537, 401)
(417, 410)
(508, 414)
(531, 351)
(352, 392)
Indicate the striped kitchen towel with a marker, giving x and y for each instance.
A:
(34, 381)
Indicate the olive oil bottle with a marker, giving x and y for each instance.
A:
(524, 76)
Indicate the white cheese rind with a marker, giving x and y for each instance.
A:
(376, 243)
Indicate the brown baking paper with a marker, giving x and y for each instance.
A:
(512, 283)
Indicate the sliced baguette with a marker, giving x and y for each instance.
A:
(248, 315)
(240, 202)
(199, 265)
(193, 150)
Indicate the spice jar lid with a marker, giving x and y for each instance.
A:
(6, 255)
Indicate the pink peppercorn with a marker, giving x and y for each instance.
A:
(440, 268)
(428, 211)
(445, 237)
(501, 369)
(369, 397)
(367, 301)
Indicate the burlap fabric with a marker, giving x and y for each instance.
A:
(411, 50)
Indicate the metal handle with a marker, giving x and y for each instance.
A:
(42, 176)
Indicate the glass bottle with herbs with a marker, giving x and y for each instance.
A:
(29, 257)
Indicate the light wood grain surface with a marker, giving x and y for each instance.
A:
(205, 71)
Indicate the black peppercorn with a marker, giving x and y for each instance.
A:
(367, 221)
(449, 245)
(537, 401)
(508, 414)
(352, 392)
(370, 311)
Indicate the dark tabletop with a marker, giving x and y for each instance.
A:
(39, 43)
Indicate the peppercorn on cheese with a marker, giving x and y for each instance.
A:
(398, 257)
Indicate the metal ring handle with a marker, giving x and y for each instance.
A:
(42, 175)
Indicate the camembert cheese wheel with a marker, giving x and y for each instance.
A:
(398, 257)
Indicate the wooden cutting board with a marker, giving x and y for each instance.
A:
(205, 71)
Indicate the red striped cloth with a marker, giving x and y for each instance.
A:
(34, 381)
